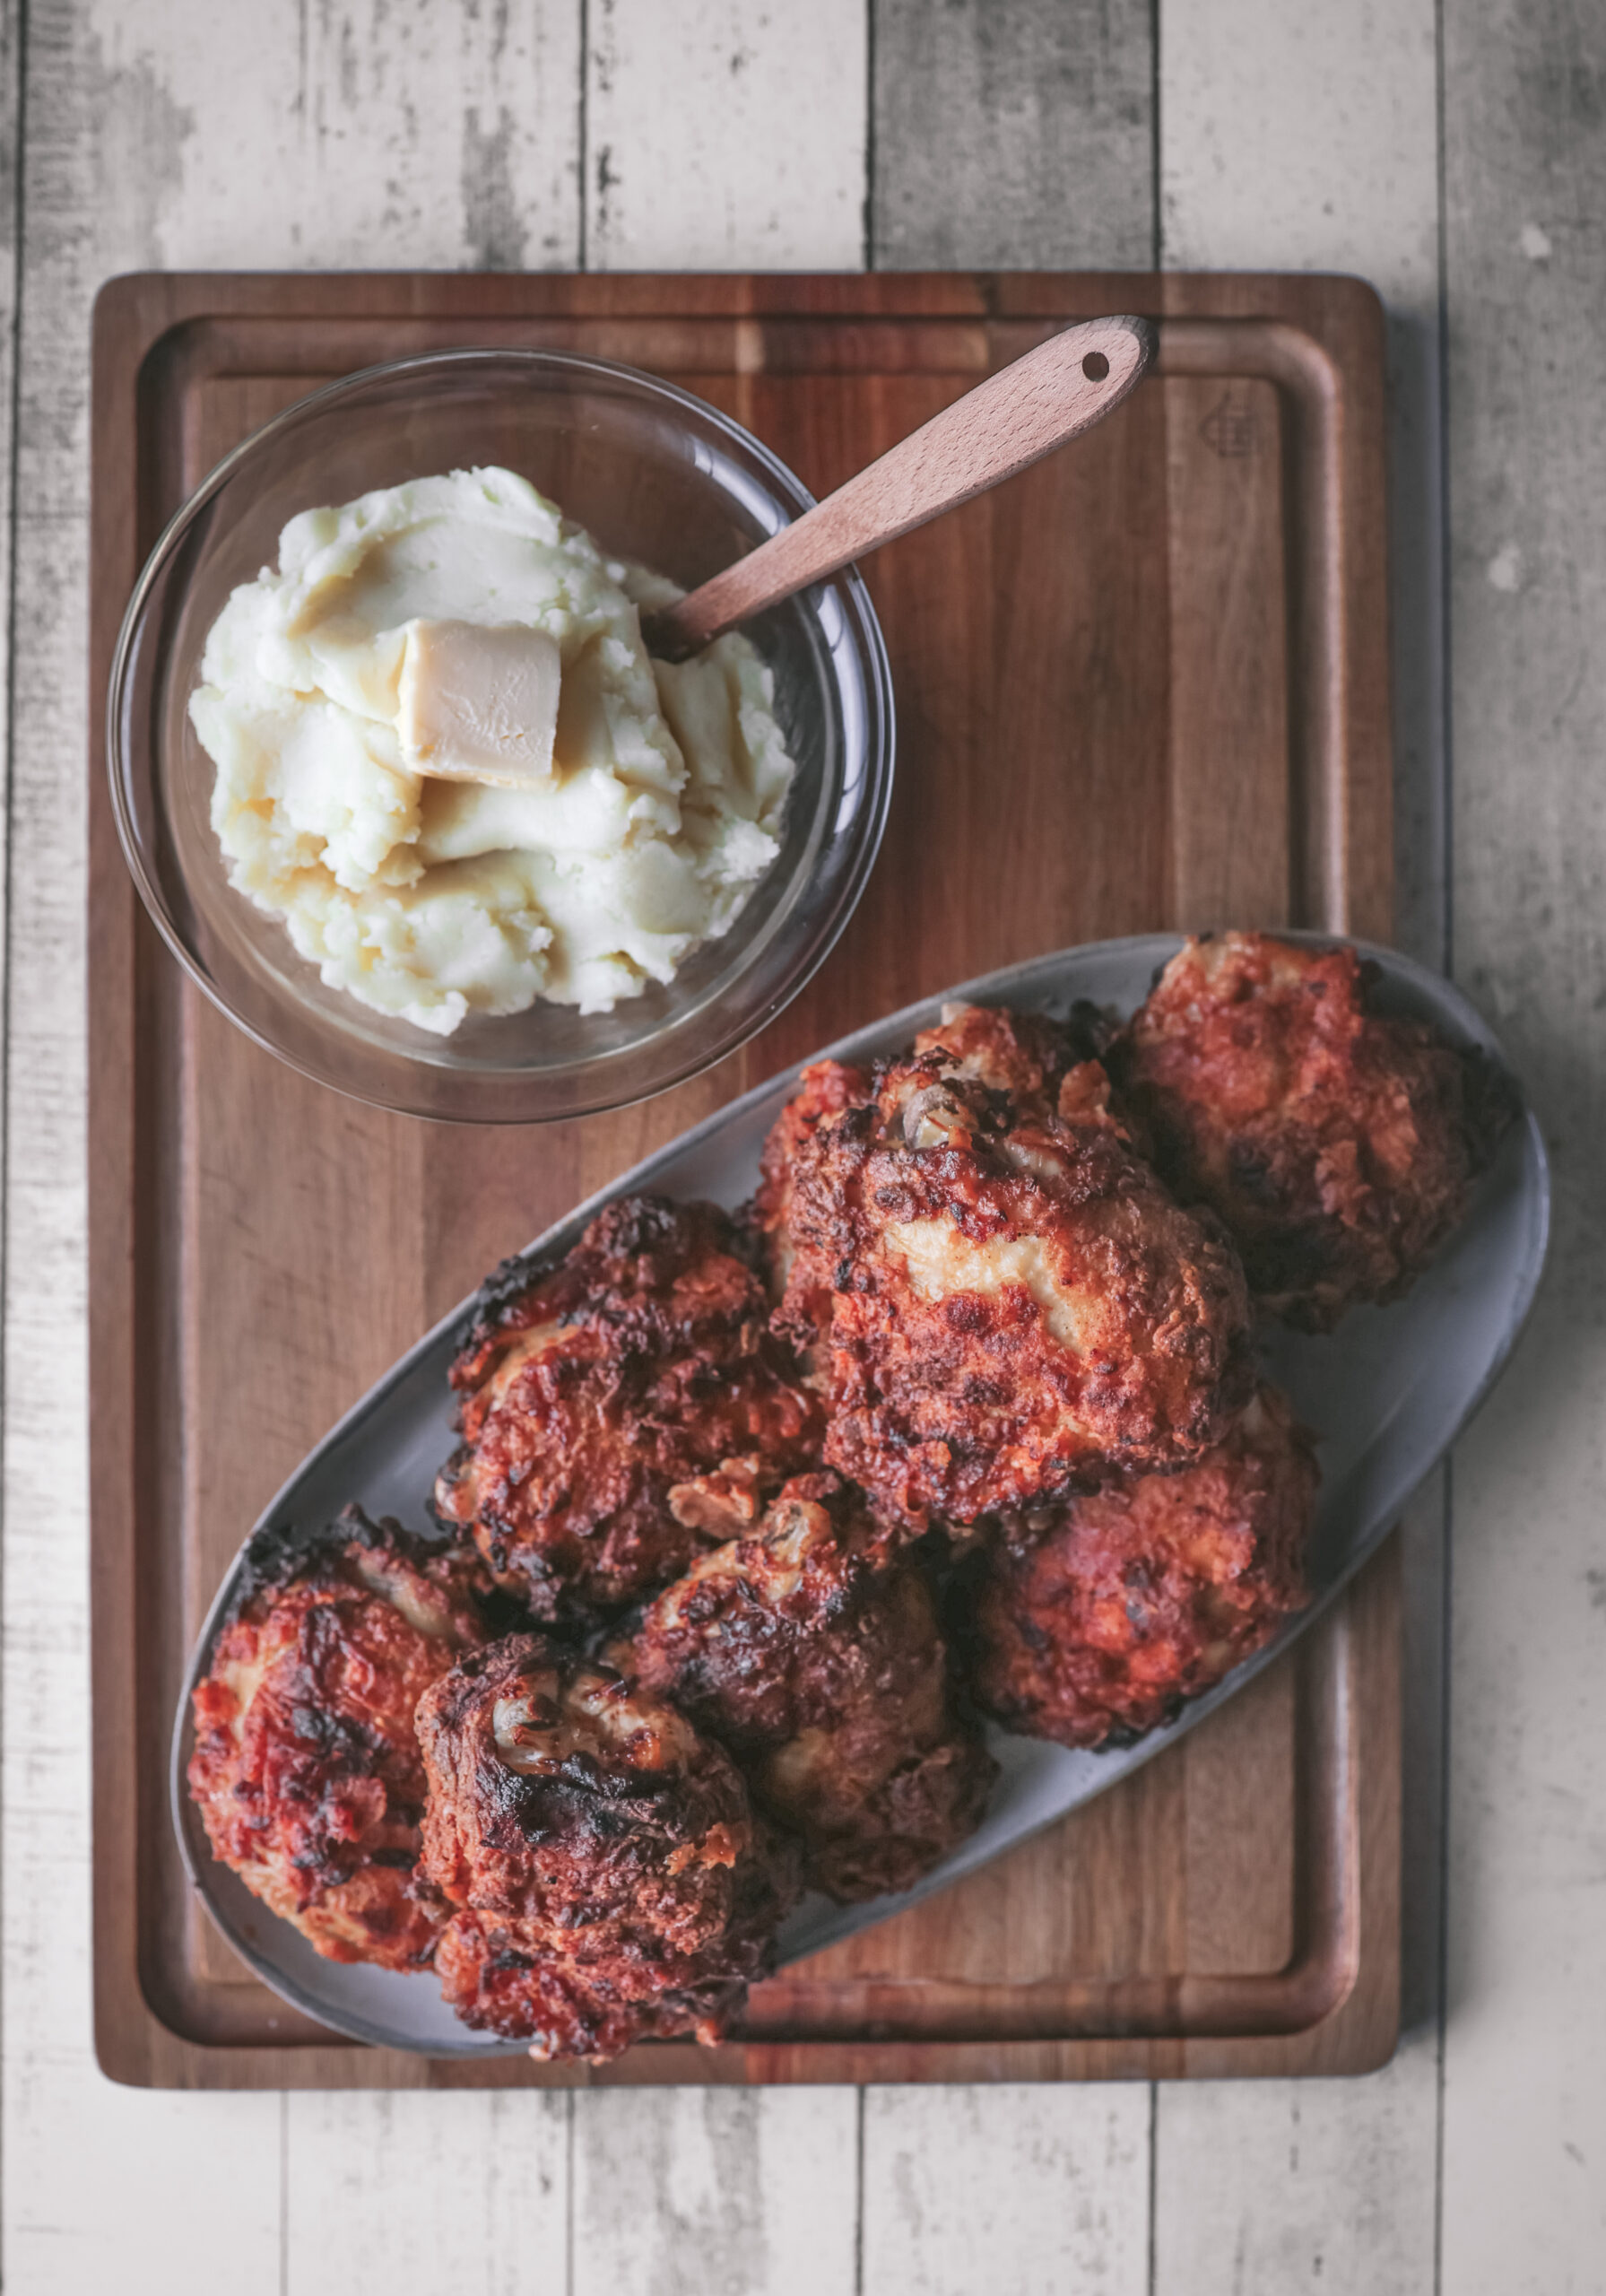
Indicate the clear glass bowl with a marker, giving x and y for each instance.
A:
(658, 476)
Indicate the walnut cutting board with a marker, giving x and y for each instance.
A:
(1145, 685)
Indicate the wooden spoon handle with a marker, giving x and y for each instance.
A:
(1013, 419)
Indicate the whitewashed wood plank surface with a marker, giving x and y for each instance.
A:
(1524, 2135)
(193, 2182)
(1261, 2187)
(716, 2192)
(10, 252)
(1308, 140)
(1040, 2190)
(426, 2190)
(1021, 136)
(451, 137)
(1011, 135)
(1265, 2186)
(726, 135)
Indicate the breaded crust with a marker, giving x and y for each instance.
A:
(999, 1295)
(1092, 1623)
(497, 1981)
(306, 1769)
(822, 1670)
(1338, 1146)
(608, 1853)
(590, 1392)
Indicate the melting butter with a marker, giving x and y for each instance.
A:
(479, 703)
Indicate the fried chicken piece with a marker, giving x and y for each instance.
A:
(1338, 1146)
(828, 1679)
(498, 1980)
(1022, 1053)
(306, 1769)
(1001, 1296)
(1095, 1625)
(608, 1878)
(1027, 1054)
(593, 1393)
(824, 1091)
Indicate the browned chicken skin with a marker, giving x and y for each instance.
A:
(998, 1292)
(1092, 1621)
(590, 1395)
(609, 1879)
(824, 1093)
(1337, 1146)
(306, 1768)
(826, 1678)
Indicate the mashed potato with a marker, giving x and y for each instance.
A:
(433, 897)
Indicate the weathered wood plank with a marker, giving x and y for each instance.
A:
(1524, 2113)
(721, 135)
(1263, 2186)
(1016, 136)
(1304, 140)
(1282, 2185)
(726, 135)
(689, 2192)
(10, 256)
(1043, 2192)
(1021, 136)
(467, 135)
(340, 136)
(210, 2181)
(379, 2204)
(160, 132)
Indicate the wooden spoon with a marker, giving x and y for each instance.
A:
(1012, 420)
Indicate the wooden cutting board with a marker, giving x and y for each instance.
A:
(1145, 685)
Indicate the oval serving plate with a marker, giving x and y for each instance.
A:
(1386, 1394)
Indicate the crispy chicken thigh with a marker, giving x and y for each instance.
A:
(608, 1877)
(826, 1678)
(1091, 1622)
(1338, 1146)
(998, 1293)
(591, 1394)
(306, 1767)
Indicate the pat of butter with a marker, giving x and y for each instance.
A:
(479, 703)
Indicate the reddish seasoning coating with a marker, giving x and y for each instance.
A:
(642, 1363)
(607, 1875)
(822, 1670)
(1338, 1146)
(1091, 1622)
(306, 1769)
(998, 1293)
